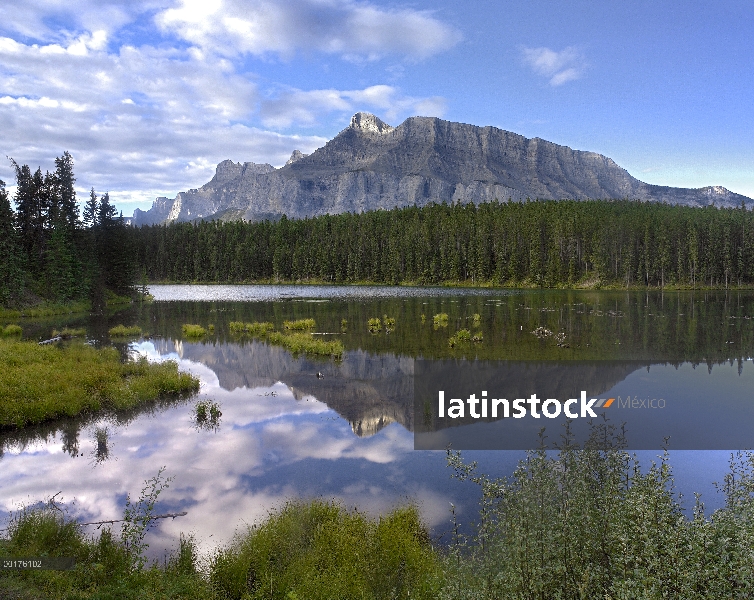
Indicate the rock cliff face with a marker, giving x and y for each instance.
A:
(371, 165)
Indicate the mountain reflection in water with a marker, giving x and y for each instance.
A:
(286, 433)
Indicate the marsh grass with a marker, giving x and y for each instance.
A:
(318, 550)
(67, 333)
(193, 331)
(41, 383)
(304, 343)
(11, 330)
(300, 325)
(254, 329)
(123, 331)
(207, 415)
(295, 338)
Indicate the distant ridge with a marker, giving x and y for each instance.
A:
(371, 165)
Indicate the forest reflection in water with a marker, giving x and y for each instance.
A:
(285, 432)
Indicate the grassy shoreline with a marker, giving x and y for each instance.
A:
(42, 383)
(590, 285)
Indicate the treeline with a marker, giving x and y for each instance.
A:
(541, 243)
(52, 252)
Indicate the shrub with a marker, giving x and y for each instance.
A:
(463, 335)
(389, 324)
(11, 330)
(374, 325)
(318, 550)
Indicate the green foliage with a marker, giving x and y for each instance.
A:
(300, 325)
(590, 523)
(254, 329)
(389, 323)
(317, 550)
(440, 320)
(304, 343)
(67, 333)
(375, 325)
(11, 330)
(107, 566)
(460, 336)
(123, 331)
(591, 243)
(193, 331)
(41, 383)
(138, 518)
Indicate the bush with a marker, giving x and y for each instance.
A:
(11, 330)
(590, 523)
(374, 325)
(318, 550)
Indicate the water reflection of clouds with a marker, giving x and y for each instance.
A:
(269, 448)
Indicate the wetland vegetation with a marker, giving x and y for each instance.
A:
(41, 383)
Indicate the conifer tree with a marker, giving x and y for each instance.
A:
(11, 279)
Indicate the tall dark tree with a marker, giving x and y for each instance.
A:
(11, 279)
(91, 210)
(67, 194)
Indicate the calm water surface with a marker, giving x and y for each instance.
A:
(285, 432)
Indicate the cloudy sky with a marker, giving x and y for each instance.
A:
(149, 95)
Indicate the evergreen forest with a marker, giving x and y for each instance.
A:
(561, 243)
(53, 253)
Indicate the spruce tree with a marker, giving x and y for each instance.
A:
(11, 275)
(65, 180)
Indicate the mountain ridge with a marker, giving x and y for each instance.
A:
(371, 165)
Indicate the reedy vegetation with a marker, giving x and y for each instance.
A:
(40, 383)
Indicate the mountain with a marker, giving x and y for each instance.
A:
(371, 165)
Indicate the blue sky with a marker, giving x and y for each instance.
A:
(149, 95)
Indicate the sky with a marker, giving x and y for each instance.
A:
(149, 95)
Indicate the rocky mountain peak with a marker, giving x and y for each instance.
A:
(296, 155)
(367, 122)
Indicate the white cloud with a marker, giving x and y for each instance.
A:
(299, 107)
(354, 30)
(559, 67)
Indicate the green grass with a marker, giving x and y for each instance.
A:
(440, 320)
(193, 331)
(254, 329)
(295, 338)
(374, 325)
(300, 325)
(11, 330)
(304, 343)
(123, 331)
(67, 333)
(42, 383)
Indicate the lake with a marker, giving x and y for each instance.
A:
(296, 426)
